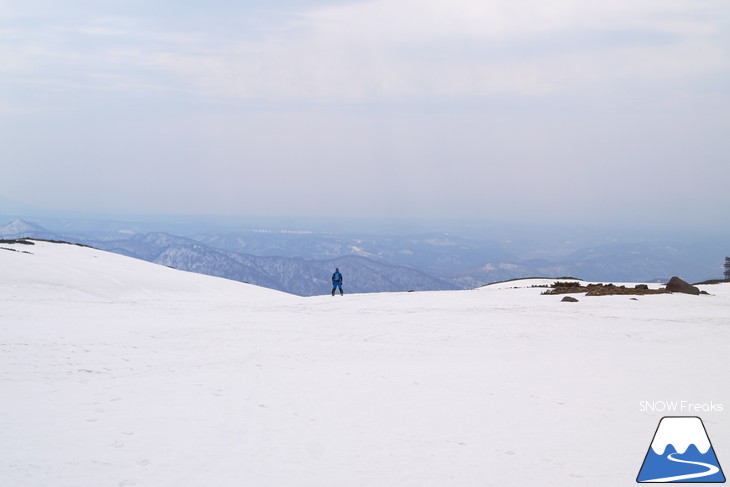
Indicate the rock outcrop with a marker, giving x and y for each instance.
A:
(677, 285)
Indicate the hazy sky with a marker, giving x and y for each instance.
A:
(529, 109)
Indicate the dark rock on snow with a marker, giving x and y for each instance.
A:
(677, 285)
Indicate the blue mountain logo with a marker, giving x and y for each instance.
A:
(681, 452)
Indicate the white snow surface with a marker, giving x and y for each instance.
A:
(118, 372)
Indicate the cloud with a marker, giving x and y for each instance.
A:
(392, 50)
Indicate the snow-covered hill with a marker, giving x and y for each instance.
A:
(61, 270)
(118, 372)
(304, 277)
(293, 275)
(21, 228)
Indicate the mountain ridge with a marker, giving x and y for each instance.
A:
(294, 275)
(292, 261)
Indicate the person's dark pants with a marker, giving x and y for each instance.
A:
(336, 285)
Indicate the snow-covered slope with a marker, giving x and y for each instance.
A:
(116, 372)
(69, 270)
(293, 275)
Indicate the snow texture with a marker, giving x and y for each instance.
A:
(119, 372)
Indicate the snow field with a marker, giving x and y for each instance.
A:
(119, 372)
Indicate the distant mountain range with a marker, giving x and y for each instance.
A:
(618, 262)
(302, 262)
(299, 276)
(22, 228)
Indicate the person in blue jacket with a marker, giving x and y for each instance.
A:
(337, 282)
